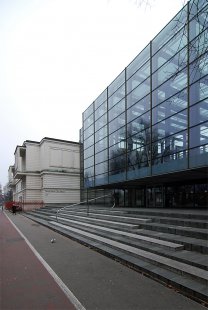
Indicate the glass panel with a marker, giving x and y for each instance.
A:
(117, 149)
(199, 91)
(141, 75)
(199, 113)
(170, 49)
(170, 126)
(89, 131)
(117, 136)
(88, 142)
(138, 93)
(89, 152)
(172, 28)
(101, 145)
(88, 112)
(199, 156)
(88, 121)
(117, 110)
(89, 162)
(117, 123)
(140, 139)
(118, 163)
(169, 88)
(100, 134)
(116, 83)
(169, 107)
(102, 156)
(117, 96)
(139, 124)
(101, 122)
(101, 110)
(101, 168)
(138, 109)
(138, 158)
(199, 46)
(101, 99)
(138, 61)
(170, 69)
(199, 68)
(199, 135)
(196, 6)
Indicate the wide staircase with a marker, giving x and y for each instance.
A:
(169, 245)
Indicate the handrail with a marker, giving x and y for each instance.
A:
(79, 203)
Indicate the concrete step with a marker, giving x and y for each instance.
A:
(170, 264)
(182, 276)
(109, 217)
(107, 223)
(150, 240)
(157, 246)
(198, 233)
(190, 243)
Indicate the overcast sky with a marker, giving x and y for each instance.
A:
(57, 56)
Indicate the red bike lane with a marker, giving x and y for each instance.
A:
(25, 284)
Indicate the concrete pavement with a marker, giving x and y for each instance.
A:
(97, 282)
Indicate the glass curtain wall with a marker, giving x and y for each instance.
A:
(153, 118)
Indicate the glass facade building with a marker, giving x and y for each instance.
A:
(146, 134)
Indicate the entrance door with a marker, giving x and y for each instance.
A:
(154, 197)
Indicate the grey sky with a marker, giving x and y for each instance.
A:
(57, 56)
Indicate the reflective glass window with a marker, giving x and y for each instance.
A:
(100, 134)
(116, 110)
(89, 162)
(89, 152)
(138, 93)
(116, 97)
(101, 99)
(117, 149)
(138, 61)
(101, 122)
(142, 74)
(199, 23)
(199, 68)
(88, 112)
(89, 131)
(170, 87)
(170, 125)
(171, 29)
(88, 121)
(117, 163)
(101, 168)
(138, 109)
(101, 110)
(199, 91)
(170, 69)
(198, 113)
(116, 83)
(170, 148)
(139, 139)
(170, 49)
(196, 6)
(101, 145)
(199, 135)
(118, 136)
(171, 106)
(88, 142)
(139, 124)
(102, 156)
(199, 46)
(138, 158)
(117, 123)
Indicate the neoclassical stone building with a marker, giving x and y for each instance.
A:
(46, 173)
